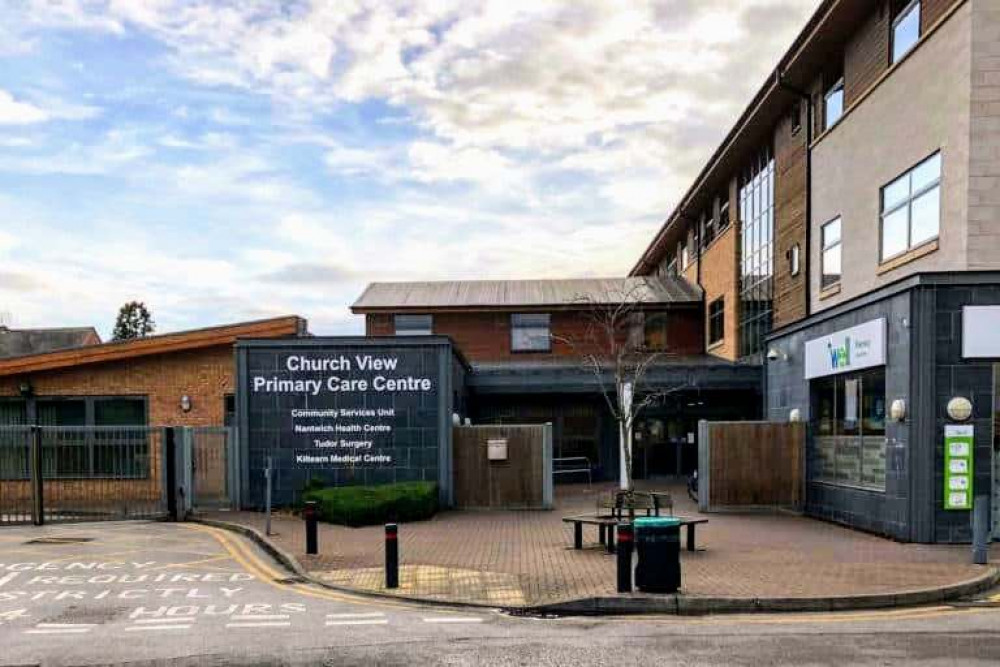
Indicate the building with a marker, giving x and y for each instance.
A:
(142, 382)
(532, 345)
(22, 342)
(849, 229)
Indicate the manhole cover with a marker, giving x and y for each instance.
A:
(60, 540)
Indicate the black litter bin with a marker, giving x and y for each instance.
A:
(658, 543)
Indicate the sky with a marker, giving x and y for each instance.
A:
(239, 159)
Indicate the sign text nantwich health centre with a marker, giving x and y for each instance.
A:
(341, 436)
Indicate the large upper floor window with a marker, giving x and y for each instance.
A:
(905, 28)
(833, 104)
(723, 211)
(831, 254)
(755, 312)
(716, 321)
(911, 208)
(685, 258)
(531, 332)
(414, 325)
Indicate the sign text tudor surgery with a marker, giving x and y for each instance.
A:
(386, 380)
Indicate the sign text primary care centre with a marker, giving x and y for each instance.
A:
(346, 411)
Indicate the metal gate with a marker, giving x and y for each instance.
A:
(210, 469)
(60, 474)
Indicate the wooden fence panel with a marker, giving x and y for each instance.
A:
(752, 464)
(523, 481)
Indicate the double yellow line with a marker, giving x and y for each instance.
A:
(269, 575)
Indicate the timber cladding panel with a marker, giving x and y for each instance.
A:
(755, 464)
(517, 483)
(790, 292)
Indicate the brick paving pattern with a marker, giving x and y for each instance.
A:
(526, 558)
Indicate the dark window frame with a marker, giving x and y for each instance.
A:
(717, 321)
(413, 330)
(521, 322)
(755, 314)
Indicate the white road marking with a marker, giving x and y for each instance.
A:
(261, 617)
(160, 621)
(347, 616)
(369, 621)
(285, 624)
(66, 625)
(7, 578)
(62, 631)
(453, 619)
(149, 628)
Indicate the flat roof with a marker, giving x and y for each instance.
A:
(228, 334)
(508, 294)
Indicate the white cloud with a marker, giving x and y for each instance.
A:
(13, 112)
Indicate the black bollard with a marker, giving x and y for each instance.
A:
(625, 542)
(312, 538)
(391, 556)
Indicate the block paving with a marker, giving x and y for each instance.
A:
(525, 558)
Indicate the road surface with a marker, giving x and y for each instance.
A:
(140, 592)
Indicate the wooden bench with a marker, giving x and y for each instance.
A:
(606, 529)
(652, 502)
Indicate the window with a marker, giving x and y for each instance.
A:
(905, 30)
(911, 208)
(414, 325)
(795, 115)
(723, 211)
(833, 104)
(756, 216)
(685, 259)
(530, 333)
(14, 456)
(794, 260)
(830, 261)
(709, 227)
(849, 414)
(716, 321)
(655, 332)
(94, 437)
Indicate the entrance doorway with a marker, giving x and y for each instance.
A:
(664, 447)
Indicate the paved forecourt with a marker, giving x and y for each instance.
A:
(137, 590)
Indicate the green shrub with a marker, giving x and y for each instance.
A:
(374, 505)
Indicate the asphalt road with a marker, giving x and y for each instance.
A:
(186, 594)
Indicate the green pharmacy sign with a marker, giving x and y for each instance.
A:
(958, 458)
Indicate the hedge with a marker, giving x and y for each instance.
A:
(374, 505)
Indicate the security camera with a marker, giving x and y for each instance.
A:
(773, 355)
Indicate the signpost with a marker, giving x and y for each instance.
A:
(958, 466)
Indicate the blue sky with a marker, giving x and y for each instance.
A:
(237, 159)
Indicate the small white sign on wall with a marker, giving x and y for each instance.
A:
(981, 332)
(496, 449)
(863, 346)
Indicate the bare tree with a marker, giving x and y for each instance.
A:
(613, 348)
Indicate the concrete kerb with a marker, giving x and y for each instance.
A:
(287, 561)
(676, 605)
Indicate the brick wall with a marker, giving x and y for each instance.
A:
(205, 375)
(485, 336)
(790, 221)
(720, 278)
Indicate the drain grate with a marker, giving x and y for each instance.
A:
(60, 540)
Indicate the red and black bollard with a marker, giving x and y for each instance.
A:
(625, 544)
(391, 556)
(312, 536)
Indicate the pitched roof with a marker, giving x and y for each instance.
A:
(20, 342)
(505, 294)
(280, 327)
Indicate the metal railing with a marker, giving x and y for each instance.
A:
(57, 473)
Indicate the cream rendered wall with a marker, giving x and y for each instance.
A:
(984, 165)
(922, 106)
